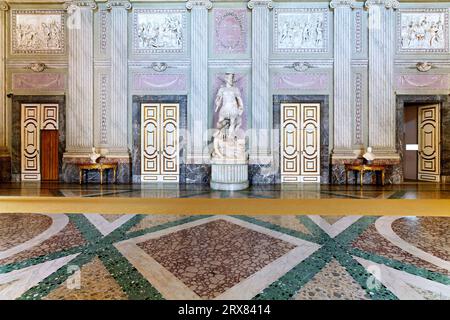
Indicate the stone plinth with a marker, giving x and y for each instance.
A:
(229, 175)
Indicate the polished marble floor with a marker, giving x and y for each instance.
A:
(105, 256)
(289, 191)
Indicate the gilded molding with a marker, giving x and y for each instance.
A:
(125, 4)
(198, 3)
(4, 6)
(342, 3)
(388, 4)
(260, 3)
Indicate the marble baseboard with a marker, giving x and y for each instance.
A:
(196, 173)
(70, 172)
(262, 174)
(5, 169)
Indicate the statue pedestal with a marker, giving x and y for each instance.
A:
(229, 175)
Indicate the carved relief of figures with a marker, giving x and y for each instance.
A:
(423, 31)
(37, 32)
(300, 30)
(159, 31)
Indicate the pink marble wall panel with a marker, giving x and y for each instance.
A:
(423, 81)
(230, 31)
(39, 81)
(241, 82)
(300, 81)
(160, 82)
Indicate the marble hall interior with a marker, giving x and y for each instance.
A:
(229, 149)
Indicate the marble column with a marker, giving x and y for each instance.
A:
(343, 102)
(381, 77)
(5, 158)
(260, 148)
(198, 100)
(80, 92)
(119, 78)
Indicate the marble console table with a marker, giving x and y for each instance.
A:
(229, 175)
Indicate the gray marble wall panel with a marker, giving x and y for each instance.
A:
(136, 130)
(444, 102)
(16, 126)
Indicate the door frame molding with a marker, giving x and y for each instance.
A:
(444, 102)
(136, 119)
(325, 129)
(16, 114)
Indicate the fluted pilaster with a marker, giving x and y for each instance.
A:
(261, 109)
(198, 101)
(80, 93)
(117, 127)
(343, 102)
(4, 136)
(381, 77)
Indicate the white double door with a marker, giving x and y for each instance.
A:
(300, 142)
(160, 142)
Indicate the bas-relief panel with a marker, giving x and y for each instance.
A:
(300, 30)
(159, 31)
(300, 81)
(241, 82)
(159, 82)
(423, 81)
(37, 32)
(230, 31)
(39, 81)
(422, 30)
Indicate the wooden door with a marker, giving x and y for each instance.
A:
(150, 142)
(30, 142)
(300, 142)
(310, 142)
(160, 139)
(49, 155)
(169, 142)
(429, 168)
(290, 142)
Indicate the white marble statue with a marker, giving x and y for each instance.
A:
(94, 156)
(229, 104)
(369, 156)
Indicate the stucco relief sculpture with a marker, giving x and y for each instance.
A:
(159, 31)
(228, 102)
(37, 33)
(423, 30)
(301, 30)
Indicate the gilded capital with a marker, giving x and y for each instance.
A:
(4, 6)
(198, 3)
(80, 3)
(388, 4)
(260, 3)
(342, 3)
(120, 4)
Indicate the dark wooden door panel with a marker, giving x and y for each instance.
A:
(49, 155)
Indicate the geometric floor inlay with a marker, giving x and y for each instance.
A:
(223, 257)
(214, 256)
(333, 282)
